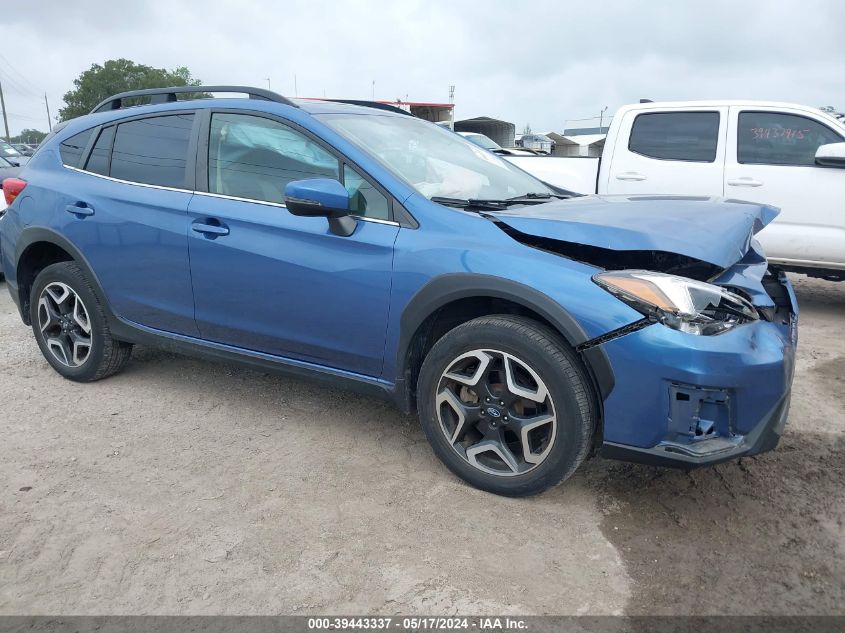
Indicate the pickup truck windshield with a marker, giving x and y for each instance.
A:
(436, 162)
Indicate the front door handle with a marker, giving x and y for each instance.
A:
(80, 209)
(630, 175)
(745, 182)
(214, 230)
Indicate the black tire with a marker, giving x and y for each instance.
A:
(106, 355)
(553, 360)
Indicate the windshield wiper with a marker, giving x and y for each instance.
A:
(496, 205)
(537, 198)
(472, 203)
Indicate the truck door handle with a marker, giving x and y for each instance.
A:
(745, 182)
(211, 230)
(629, 175)
(79, 209)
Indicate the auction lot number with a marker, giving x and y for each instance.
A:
(412, 624)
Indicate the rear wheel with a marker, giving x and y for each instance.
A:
(70, 325)
(506, 405)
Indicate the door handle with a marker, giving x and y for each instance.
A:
(210, 229)
(745, 182)
(79, 209)
(629, 175)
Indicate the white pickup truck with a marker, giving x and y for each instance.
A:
(785, 155)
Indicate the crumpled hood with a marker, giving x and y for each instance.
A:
(712, 230)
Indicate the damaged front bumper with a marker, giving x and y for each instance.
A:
(684, 401)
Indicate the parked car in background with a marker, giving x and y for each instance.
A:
(375, 250)
(24, 149)
(7, 170)
(489, 144)
(786, 155)
(538, 142)
(12, 155)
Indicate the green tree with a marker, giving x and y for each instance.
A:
(118, 75)
(33, 137)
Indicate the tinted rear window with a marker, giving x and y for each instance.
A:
(98, 161)
(72, 148)
(688, 136)
(153, 151)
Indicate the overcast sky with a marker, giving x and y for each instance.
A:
(541, 62)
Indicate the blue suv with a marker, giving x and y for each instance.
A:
(528, 327)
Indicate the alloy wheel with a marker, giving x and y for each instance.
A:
(496, 412)
(64, 323)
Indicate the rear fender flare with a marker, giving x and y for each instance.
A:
(35, 235)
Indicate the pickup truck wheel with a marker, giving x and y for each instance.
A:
(70, 325)
(506, 405)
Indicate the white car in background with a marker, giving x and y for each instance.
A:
(488, 143)
(781, 154)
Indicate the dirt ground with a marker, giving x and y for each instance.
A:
(186, 487)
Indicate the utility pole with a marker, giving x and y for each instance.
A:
(374, 89)
(601, 117)
(49, 118)
(5, 120)
(295, 88)
(268, 83)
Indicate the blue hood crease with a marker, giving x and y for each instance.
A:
(712, 230)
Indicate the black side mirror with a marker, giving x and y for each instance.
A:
(321, 197)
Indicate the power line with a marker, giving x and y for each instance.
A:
(32, 87)
(23, 116)
(18, 88)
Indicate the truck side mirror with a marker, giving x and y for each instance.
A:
(831, 155)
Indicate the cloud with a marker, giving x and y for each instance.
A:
(539, 61)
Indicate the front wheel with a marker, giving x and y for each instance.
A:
(506, 405)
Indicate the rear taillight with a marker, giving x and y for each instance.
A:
(12, 188)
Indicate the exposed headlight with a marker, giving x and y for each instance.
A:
(683, 304)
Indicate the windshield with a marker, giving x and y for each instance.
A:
(8, 150)
(436, 162)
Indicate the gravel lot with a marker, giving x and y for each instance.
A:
(187, 487)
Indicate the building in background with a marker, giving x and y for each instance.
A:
(502, 132)
(577, 144)
(442, 113)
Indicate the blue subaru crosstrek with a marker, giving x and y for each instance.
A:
(526, 326)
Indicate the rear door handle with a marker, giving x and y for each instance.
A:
(745, 182)
(629, 175)
(210, 229)
(79, 209)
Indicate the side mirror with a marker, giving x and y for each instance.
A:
(831, 155)
(321, 197)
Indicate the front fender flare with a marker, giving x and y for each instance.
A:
(445, 289)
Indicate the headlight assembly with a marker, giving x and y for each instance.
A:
(683, 304)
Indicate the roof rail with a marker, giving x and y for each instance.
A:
(168, 95)
(372, 104)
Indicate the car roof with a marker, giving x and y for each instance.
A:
(307, 106)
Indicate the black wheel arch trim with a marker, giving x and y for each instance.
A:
(447, 288)
(34, 235)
